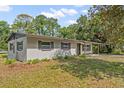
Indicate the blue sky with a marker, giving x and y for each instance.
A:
(66, 14)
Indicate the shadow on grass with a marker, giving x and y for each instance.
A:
(82, 67)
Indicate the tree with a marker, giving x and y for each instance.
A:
(84, 30)
(46, 26)
(40, 25)
(68, 32)
(53, 26)
(4, 32)
(22, 23)
(111, 21)
(63, 32)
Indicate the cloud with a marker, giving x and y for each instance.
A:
(53, 13)
(69, 11)
(59, 13)
(79, 5)
(5, 8)
(85, 11)
(72, 22)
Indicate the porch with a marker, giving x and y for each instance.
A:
(88, 48)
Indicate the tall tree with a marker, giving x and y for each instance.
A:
(40, 24)
(83, 31)
(53, 26)
(4, 32)
(46, 26)
(22, 23)
(111, 21)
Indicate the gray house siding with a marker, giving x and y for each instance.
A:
(33, 52)
(31, 49)
(15, 54)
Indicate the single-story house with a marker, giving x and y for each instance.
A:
(25, 47)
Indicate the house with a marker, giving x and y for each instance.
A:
(25, 47)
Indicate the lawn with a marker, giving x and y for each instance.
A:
(98, 71)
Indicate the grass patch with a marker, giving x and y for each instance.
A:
(3, 55)
(45, 60)
(75, 71)
(34, 61)
(93, 67)
(9, 61)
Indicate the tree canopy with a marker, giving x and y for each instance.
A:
(4, 32)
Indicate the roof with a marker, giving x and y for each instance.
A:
(50, 37)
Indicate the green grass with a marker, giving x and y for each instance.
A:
(68, 72)
(3, 55)
(9, 61)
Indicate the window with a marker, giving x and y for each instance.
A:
(65, 46)
(45, 45)
(12, 47)
(20, 46)
(87, 47)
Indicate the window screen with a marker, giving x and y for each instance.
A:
(65, 46)
(20, 46)
(45, 45)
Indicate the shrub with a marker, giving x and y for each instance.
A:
(66, 57)
(117, 52)
(45, 59)
(82, 56)
(4, 55)
(58, 57)
(9, 61)
(34, 61)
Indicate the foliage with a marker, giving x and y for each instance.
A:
(22, 23)
(34, 61)
(66, 32)
(9, 61)
(4, 32)
(93, 67)
(70, 73)
(45, 60)
(117, 51)
(82, 56)
(111, 21)
(46, 26)
(95, 49)
(3, 55)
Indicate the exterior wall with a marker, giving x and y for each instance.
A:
(33, 52)
(19, 55)
(11, 54)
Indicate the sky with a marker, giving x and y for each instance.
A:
(66, 14)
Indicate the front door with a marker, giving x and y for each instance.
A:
(78, 49)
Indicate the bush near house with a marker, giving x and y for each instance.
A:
(3, 55)
(34, 61)
(117, 52)
(9, 61)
